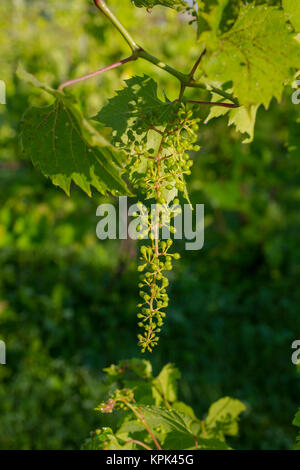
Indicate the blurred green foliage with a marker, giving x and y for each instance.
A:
(133, 391)
(68, 301)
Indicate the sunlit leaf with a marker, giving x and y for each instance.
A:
(66, 148)
(251, 56)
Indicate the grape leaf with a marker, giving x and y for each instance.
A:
(242, 118)
(222, 418)
(250, 55)
(181, 430)
(166, 3)
(169, 419)
(292, 9)
(134, 109)
(215, 17)
(66, 148)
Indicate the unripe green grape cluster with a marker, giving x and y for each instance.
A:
(155, 260)
(166, 166)
(159, 173)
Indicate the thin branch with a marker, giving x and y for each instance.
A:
(181, 92)
(218, 91)
(98, 72)
(196, 65)
(214, 103)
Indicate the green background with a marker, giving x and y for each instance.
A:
(68, 301)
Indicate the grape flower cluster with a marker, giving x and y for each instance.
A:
(159, 173)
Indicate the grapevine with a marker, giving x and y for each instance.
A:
(156, 136)
(165, 171)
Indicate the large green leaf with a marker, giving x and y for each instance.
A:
(181, 430)
(171, 420)
(251, 55)
(66, 148)
(134, 109)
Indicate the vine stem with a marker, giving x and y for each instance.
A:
(186, 80)
(212, 103)
(98, 72)
(182, 77)
(222, 93)
(114, 20)
(196, 65)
